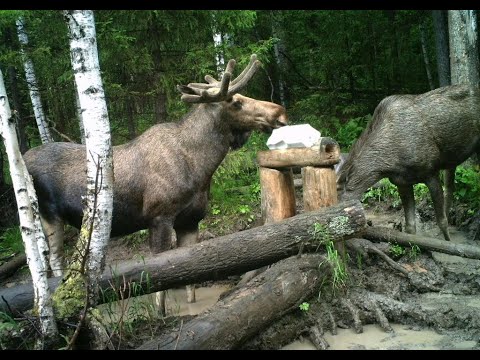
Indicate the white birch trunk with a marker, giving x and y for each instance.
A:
(42, 124)
(217, 43)
(36, 246)
(464, 62)
(79, 116)
(84, 56)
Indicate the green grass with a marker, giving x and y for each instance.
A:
(11, 241)
(235, 190)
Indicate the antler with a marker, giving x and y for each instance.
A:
(215, 90)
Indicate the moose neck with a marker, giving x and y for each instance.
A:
(207, 134)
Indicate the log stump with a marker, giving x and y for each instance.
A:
(318, 174)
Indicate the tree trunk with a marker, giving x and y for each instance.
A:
(11, 266)
(464, 63)
(394, 53)
(96, 224)
(377, 234)
(440, 23)
(279, 51)
(319, 187)
(250, 309)
(17, 105)
(132, 131)
(221, 257)
(278, 194)
(42, 124)
(79, 116)
(160, 104)
(36, 246)
(426, 58)
(218, 45)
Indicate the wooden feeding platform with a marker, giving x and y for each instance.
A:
(318, 175)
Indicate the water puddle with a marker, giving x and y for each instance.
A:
(147, 306)
(373, 337)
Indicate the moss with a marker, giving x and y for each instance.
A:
(70, 297)
(339, 226)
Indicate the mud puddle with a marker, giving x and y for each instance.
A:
(373, 337)
(176, 304)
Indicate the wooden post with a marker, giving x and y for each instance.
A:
(278, 194)
(319, 187)
(318, 174)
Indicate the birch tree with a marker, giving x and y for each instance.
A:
(79, 290)
(97, 218)
(36, 247)
(42, 123)
(218, 45)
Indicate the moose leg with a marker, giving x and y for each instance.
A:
(408, 202)
(186, 238)
(55, 233)
(435, 187)
(160, 239)
(160, 235)
(449, 188)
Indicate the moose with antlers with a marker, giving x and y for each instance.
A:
(162, 178)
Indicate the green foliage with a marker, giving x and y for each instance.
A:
(414, 251)
(135, 240)
(11, 241)
(398, 251)
(467, 187)
(339, 267)
(305, 306)
(348, 133)
(235, 188)
(8, 325)
(123, 313)
(383, 191)
(319, 233)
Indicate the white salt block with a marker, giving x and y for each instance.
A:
(293, 136)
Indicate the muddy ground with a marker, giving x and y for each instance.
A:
(376, 299)
(438, 310)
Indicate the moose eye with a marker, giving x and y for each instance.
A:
(237, 104)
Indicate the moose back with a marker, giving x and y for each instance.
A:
(162, 178)
(409, 140)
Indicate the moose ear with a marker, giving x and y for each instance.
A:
(184, 89)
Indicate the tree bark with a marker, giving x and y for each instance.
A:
(327, 154)
(319, 187)
(279, 51)
(42, 124)
(97, 219)
(18, 109)
(11, 266)
(440, 23)
(247, 311)
(377, 234)
(464, 62)
(221, 257)
(426, 58)
(36, 246)
(278, 194)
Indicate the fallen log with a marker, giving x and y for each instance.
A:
(250, 309)
(11, 266)
(376, 233)
(218, 258)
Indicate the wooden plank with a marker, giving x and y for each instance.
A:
(326, 154)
